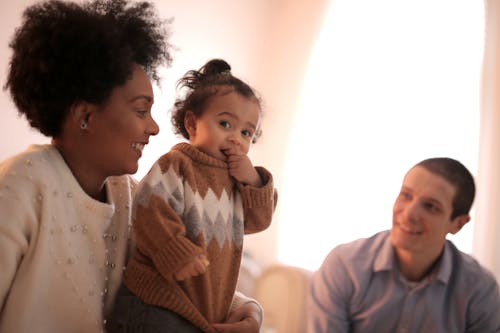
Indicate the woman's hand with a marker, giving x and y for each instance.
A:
(244, 319)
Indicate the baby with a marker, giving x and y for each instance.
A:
(194, 206)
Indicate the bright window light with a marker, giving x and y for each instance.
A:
(389, 83)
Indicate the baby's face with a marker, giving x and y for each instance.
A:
(227, 126)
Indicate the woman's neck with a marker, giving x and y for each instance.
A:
(89, 180)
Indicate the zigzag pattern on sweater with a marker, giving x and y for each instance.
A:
(212, 217)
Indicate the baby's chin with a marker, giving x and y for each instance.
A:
(217, 154)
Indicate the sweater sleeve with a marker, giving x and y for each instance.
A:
(239, 299)
(259, 202)
(160, 233)
(18, 223)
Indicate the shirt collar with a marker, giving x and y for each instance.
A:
(444, 264)
(385, 260)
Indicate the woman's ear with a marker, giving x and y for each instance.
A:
(80, 114)
(190, 123)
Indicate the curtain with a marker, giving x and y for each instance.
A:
(487, 219)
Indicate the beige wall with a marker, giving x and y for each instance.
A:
(487, 226)
(15, 134)
(291, 34)
(266, 42)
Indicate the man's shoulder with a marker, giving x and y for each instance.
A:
(362, 247)
(471, 271)
(359, 255)
(353, 264)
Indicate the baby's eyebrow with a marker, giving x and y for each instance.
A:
(225, 113)
(232, 115)
(251, 125)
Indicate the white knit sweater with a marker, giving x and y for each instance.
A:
(61, 252)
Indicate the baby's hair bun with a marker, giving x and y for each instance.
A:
(194, 79)
(215, 67)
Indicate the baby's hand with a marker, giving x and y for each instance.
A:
(196, 267)
(241, 168)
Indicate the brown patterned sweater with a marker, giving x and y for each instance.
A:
(187, 205)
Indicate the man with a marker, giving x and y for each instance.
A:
(410, 279)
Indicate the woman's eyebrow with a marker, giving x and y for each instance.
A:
(146, 97)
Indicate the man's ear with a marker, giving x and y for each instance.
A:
(190, 123)
(458, 222)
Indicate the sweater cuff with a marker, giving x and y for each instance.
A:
(239, 299)
(174, 255)
(258, 196)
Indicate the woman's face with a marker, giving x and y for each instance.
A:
(122, 126)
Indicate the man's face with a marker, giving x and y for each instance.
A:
(422, 214)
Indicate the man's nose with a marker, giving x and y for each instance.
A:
(412, 212)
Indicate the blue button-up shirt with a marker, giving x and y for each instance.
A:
(359, 289)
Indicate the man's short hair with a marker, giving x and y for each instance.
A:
(459, 177)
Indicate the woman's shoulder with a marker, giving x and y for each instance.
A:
(28, 174)
(34, 154)
(35, 164)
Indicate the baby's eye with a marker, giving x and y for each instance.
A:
(225, 124)
(246, 133)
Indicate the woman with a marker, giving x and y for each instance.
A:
(81, 75)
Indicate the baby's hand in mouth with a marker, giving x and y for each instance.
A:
(228, 152)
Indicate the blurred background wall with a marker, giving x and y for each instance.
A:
(355, 92)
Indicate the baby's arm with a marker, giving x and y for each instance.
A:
(196, 267)
(258, 202)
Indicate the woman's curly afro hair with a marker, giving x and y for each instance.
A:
(65, 52)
